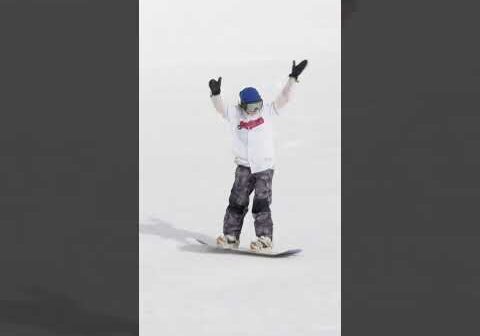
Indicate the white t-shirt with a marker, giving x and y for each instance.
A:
(252, 135)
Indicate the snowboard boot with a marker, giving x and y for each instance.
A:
(228, 241)
(262, 244)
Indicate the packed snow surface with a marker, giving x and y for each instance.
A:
(186, 172)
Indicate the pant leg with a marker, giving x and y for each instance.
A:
(261, 203)
(238, 201)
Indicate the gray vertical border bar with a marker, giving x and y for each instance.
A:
(69, 167)
(410, 168)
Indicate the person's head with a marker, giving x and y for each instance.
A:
(250, 100)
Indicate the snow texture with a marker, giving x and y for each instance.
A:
(186, 168)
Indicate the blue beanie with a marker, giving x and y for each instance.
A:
(249, 95)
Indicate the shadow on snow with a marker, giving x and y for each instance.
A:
(166, 230)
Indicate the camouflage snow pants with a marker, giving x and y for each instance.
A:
(245, 183)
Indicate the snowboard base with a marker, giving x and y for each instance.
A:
(242, 250)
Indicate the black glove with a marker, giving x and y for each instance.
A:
(215, 86)
(298, 69)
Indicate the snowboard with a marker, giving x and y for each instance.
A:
(243, 250)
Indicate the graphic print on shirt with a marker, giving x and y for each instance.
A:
(250, 124)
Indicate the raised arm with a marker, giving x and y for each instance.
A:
(284, 97)
(215, 96)
(219, 105)
(286, 93)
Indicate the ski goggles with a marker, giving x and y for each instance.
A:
(252, 107)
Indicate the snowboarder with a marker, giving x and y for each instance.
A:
(251, 126)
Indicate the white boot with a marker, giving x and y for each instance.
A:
(228, 241)
(262, 244)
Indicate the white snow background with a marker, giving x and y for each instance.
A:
(186, 168)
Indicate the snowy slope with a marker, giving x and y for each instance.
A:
(186, 172)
